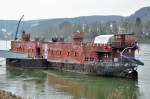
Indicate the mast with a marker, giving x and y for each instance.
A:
(18, 27)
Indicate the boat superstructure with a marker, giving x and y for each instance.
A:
(112, 55)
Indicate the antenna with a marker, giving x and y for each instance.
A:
(18, 27)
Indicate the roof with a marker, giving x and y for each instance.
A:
(124, 34)
(103, 39)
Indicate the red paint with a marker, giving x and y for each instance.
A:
(76, 51)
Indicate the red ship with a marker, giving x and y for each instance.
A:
(110, 55)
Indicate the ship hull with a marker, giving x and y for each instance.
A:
(27, 63)
(113, 70)
(97, 69)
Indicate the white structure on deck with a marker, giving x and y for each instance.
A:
(103, 39)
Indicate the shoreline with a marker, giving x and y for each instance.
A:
(8, 95)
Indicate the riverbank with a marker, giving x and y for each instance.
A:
(8, 95)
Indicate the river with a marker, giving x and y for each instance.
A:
(50, 84)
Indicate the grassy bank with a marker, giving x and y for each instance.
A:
(8, 95)
(120, 94)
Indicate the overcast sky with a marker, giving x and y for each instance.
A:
(45, 9)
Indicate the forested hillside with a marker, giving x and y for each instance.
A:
(137, 23)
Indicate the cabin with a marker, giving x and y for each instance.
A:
(105, 48)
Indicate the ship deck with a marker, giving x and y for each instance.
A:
(11, 54)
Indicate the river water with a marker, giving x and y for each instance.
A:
(48, 84)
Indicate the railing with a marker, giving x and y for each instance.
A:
(118, 44)
(117, 64)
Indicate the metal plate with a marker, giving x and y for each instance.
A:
(10, 54)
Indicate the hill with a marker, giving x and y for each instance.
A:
(93, 25)
(143, 13)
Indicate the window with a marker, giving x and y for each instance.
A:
(75, 54)
(86, 58)
(68, 54)
(91, 58)
(52, 52)
(48, 49)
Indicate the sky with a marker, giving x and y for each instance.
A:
(47, 9)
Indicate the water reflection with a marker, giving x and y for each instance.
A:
(80, 86)
(31, 84)
(26, 83)
(46, 84)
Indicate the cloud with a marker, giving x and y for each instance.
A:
(41, 9)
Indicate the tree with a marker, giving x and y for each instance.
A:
(138, 28)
